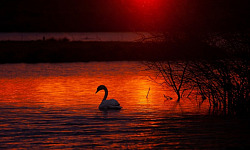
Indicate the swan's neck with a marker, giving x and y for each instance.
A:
(106, 94)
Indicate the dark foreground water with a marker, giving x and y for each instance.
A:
(54, 106)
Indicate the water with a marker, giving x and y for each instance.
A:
(54, 106)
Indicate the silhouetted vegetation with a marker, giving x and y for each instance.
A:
(222, 80)
(173, 74)
(218, 30)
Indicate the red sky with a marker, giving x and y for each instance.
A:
(120, 15)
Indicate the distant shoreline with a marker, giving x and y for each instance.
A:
(74, 36)
(53, 51)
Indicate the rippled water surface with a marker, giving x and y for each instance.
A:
(54, 106)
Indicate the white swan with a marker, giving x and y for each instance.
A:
(107, 104)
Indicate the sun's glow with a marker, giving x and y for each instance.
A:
(146, 13)
(147, 4)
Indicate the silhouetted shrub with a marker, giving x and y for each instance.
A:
(223, 81)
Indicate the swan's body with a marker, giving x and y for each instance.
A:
(107, 104)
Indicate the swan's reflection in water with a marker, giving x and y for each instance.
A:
(54, 106)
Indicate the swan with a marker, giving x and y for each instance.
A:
(107, 104)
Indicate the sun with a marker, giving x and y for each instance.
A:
(146, 14)
(146, 3)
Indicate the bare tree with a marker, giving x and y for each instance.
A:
(173, 74)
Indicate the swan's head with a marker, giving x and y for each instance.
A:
(100, 87)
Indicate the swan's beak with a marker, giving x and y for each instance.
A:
(96, 91)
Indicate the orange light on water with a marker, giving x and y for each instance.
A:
(64, 92)
(78, 90)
